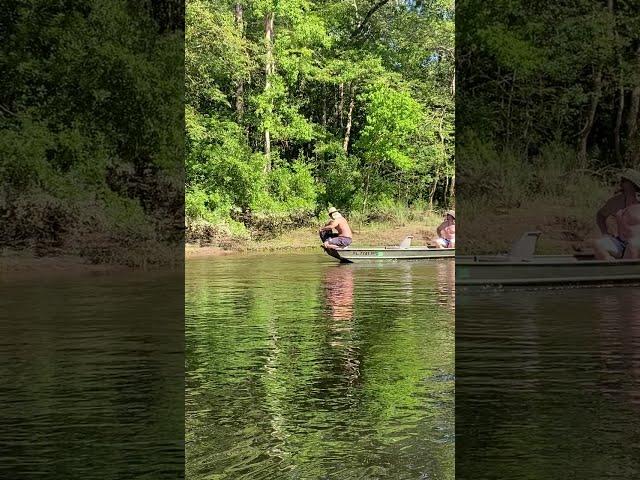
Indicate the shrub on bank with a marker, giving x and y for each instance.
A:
(507, 192)
(223, 235)
(493, 178)
(103, 228)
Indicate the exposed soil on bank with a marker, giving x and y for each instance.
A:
(307, 238)
(565, 229)
(24, 264)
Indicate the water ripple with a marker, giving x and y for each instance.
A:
(548, 384)
(301, 368)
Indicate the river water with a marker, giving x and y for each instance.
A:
(548, 384)
(300, 368)
(92, 377)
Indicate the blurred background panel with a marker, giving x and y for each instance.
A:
(547, 111)
(91, 239)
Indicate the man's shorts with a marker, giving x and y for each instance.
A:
(340, 241)
(446, 243)
(614, 245)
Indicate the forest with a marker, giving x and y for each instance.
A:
(548, 88)
(296, 105)
(92, 129)
(547, 113)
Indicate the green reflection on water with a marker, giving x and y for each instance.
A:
(301, 368)
(548, 383)
(92, 377)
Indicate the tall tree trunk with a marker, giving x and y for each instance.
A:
(432, 194)
(453, 83)
(324, 107)
(239, 20)
(632, 154)
(268, 71)
(347, 131)
(445, 194)
(634, 109)
(365, 201)
(335, 122)
(452, 192)
(591, 115)
(341, 104)
(620, 107)
(509, 103)
(618, 127)
(633, 138)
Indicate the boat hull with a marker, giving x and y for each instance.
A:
(353, 255)
(544, 270)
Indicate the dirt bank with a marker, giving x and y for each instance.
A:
(303, 238)
(24, 264)
(564, 229)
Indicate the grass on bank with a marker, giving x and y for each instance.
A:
(383, 228)
(503, 194)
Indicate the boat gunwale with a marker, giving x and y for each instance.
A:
(354, 255)
(395, 249)
(572, 261)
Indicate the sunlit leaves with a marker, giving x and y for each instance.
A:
(392, 116)
(349, 116)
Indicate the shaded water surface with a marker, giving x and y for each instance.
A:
(301, 368)
(92, 378)
(548, 384)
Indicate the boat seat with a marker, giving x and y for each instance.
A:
(406, 243)
(524, 248)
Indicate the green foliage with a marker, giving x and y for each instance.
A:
(290, 189)
(353, 115)
(90, 128)
(539, 72)
(392, 116)
(342, 179)
(495, 177)
(512, 51)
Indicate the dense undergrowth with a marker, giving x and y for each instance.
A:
(267, 226)
(506, 193)
(91, 131)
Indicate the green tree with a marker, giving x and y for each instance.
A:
(294, 104)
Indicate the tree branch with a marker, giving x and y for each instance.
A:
(367, 17)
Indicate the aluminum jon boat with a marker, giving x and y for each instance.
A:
(402, 252)
(521, 267)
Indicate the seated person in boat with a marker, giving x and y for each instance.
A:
(625, 207)
(447, 231)
(333, 240)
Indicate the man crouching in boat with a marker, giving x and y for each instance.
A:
(341, 239)
(625, 206)
(447, 231)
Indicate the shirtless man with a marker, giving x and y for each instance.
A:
(625, 206)
(447, 231)
(341, 239)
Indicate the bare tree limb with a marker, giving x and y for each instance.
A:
(358, 31)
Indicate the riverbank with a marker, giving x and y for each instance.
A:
(376, 233)
(17, 264)
(565, 228)
(27, 263)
